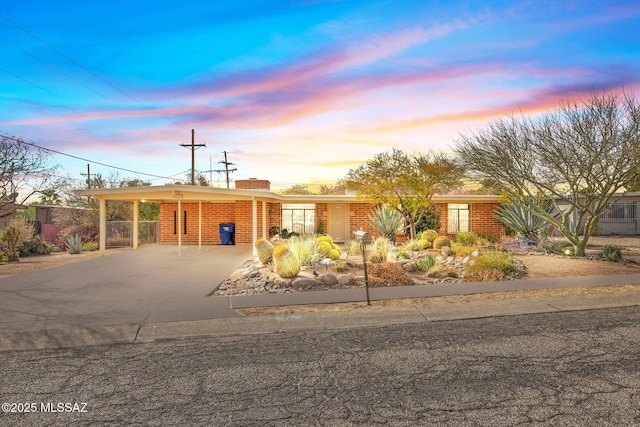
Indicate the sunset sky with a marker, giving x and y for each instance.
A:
(296, 91)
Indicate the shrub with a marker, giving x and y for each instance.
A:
(3, 258)
(307, 250)
(274, 230)
(342, 266)
(388, 274)
(74, 244)
(489, 266)
(466, 238)
(441, 241)
(404, 254)
(611, 253)
(90, 246)
(352, 247)
(379, 250)
(34, 246)
(412, 245)
(12, 237)
(462, 251)
(426, 263)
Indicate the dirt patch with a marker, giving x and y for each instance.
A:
(40, 262)
(546, 267)
(410, 302)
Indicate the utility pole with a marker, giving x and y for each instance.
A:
(88, 175)
(226, 169)
(193, 147)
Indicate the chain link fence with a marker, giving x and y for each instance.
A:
(120, 233)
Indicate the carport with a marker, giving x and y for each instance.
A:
(180, 195)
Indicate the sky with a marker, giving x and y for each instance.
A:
(295, 91)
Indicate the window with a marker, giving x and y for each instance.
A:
(458, 218)
(299, 218)
(619, 211)
(175, 222)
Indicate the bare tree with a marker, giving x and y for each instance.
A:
(24, 171)
(580, 156)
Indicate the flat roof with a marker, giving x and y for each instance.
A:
(173, 193)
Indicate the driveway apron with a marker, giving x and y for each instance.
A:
(151, 284)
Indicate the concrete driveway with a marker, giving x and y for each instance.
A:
(148, 285)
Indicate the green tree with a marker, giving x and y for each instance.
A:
(580, 156)
(405, 181)
(297, 189)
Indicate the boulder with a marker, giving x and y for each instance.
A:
(328, 279)
(345, 279)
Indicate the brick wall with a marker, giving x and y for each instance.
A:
(482, 221)
(253, 184)
(274, 215)
(322, 214)
(359, 218)
(213, 214)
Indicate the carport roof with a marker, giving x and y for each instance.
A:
(173, 193)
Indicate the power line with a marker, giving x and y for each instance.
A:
(76, 63)
(52, 66)
(27, 81)
(82, 158)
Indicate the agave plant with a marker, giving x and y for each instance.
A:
(74, 244)
(387, 221)
(521, 220)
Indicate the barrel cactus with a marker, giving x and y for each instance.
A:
(285, 262)
(424, 243)
(429, 235)
(265, 250)
(441, 241)
(327, 239)
(325, 248)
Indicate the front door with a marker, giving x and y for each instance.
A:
(339, 222)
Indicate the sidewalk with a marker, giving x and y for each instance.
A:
(152, 294)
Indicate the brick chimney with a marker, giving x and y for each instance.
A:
(253, 184)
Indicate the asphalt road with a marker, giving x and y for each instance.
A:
(560, 369)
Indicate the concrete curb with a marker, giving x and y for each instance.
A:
(323, 320)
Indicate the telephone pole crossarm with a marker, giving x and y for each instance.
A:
(193, 147)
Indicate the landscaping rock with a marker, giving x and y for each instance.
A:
(280, 282)
(409, 266)
(346, 279)
(304, 282)
(328, 279)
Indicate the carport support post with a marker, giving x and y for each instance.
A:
(103, 227)
(136, 216)
(254, 224)
(264, 220)
(199, 224)
(179, 227)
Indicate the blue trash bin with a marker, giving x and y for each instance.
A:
(227, 234)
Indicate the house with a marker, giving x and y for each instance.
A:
(8, 213)
(192, 214)
(620, 219)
